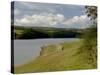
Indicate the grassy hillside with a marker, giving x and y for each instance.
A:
(60, 57)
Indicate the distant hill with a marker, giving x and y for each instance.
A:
(22, 32)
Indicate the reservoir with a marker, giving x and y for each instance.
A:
(27, 50)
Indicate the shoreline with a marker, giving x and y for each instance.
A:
(56, 59)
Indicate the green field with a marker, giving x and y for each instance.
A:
(54, 59)
(19, 31)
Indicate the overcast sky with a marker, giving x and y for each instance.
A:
(50, 15)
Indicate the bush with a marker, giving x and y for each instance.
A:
(90, 44)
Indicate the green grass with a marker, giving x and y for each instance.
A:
(54, 60)
(18, 31)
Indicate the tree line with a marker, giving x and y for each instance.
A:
(35, 33)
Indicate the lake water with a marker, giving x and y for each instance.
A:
(27, 50)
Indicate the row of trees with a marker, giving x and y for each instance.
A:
(34, 34)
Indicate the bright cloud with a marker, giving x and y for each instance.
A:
(50, 15)
(77, 21)
(53, 20)
(44, 19)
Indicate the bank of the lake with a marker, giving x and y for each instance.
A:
(53, 60)
(27, 50)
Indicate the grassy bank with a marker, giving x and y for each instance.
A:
(56, 58)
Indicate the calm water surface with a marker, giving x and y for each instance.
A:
(27, 50)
